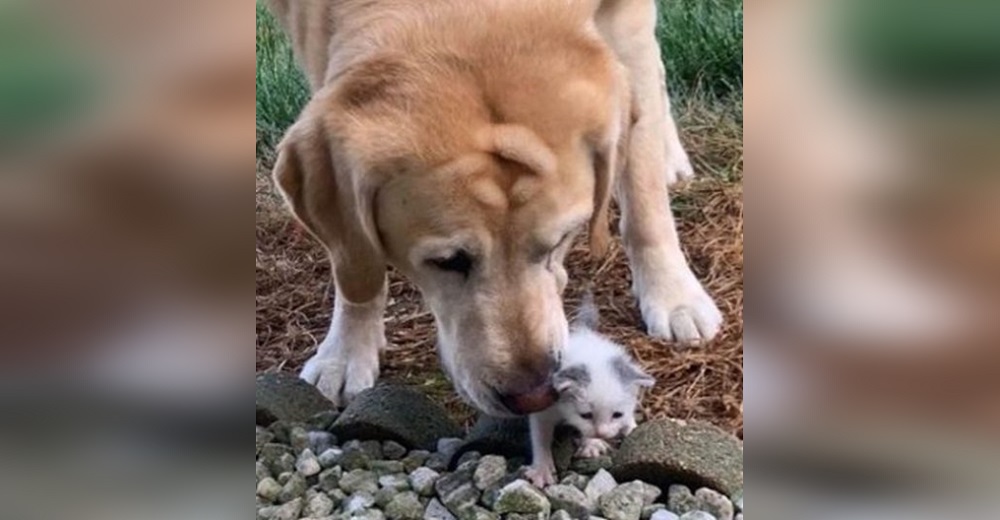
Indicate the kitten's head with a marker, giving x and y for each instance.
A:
(599, 396)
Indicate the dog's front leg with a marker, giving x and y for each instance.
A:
(674, 304)
(347, 362)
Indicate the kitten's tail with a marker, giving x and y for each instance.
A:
(587, 316)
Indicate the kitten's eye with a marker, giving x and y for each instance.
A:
(587, 416)
(618, 415)
(460, 262)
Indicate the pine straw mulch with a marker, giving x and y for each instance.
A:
(706, 383)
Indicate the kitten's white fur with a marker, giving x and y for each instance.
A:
(607, 395)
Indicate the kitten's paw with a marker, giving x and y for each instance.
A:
(540, 476)
(593, 448)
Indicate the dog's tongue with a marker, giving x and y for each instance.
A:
(536, 400)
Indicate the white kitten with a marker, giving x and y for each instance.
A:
(598, 386)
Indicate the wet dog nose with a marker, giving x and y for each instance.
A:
(533, 391)
(534, 401)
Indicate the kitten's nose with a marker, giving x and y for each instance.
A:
(607, 432)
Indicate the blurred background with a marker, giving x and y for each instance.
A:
(875, 361)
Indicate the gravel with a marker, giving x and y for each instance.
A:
(521, 497)
(571, 500)
(422, 480)
(387, 480)
(715, 503)
(405, 506)
(490, 471)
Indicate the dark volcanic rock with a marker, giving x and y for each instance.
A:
(668, 452)
(284, 397)
(395, 413)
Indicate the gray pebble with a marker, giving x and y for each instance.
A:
(359, 502)
(450, 482)
(650, 494)
(715, 503)
(602, 484)
(354, 457)
(422, 481)
(398, 482)
(295, 488)
(285, 477)
(576, 480)
(561, 515)
(591, 466)
(405, 506)
(436, 511)
(359, 480)
(298, 438)
(490, 471)
(438, 462)
(393, 450)
(387, 467)
(373, 449)
(286, 464)
(697, 515)
(625, 502)
(262, 472)
(318, 506)
(307, 464)
(665, 515)
(738, 501)
(489, 498)
(369, 514)
(269, 489)
(521, 497)
(469, 457)
(524, 516)
(681, 500)
(448, 447)
(329, 480)
(478, 513)
(739, 516)
(415, 459)
(289, 511)
(263, 438)
(571, 500)
(321, 441)
(649, 511)
(330, 458)
(461, 499)
(384, 496)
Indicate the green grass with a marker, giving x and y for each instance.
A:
(282, 90)
(702, 42)
(703, 49)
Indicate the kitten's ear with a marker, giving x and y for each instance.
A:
(631, 374)
(571, 379)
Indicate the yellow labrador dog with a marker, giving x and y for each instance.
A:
(466, 143)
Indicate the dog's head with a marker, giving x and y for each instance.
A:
(475, 193)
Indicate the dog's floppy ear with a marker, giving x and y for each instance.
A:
(333, 204)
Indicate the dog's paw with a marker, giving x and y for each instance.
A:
(540, 476)
(341, 377)
(593, 448)
(679, 168)
(679, 310)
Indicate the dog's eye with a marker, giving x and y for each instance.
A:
(618, 415)
(459, 262)
(587, 416)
